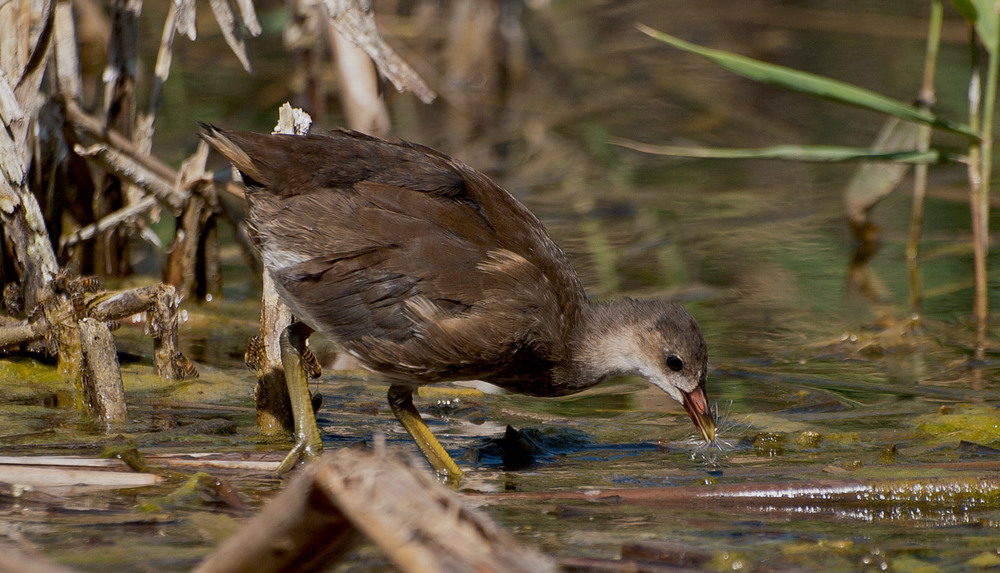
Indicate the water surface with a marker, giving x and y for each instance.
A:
(816, 381)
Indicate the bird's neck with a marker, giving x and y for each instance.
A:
(601, 346)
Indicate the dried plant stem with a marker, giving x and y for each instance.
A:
(102, 378)
(418, 524)
(24, 226)
(163, 58)
(67, 54)
(94, 129)
(232, 31)
(365, 110)
(274, 411)
(357, 23)
(161, 302)
(270, 394)
(22, 218)
(926, 101)
(124, 166)
(119, 108)
(981, 226)
(109, 221)
(979, 170)
(191, 256)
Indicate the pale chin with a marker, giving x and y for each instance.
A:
(670, 389)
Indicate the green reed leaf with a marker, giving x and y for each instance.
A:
(812, 84)
(966, 8)
(815, 153)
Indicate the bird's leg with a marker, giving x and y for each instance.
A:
(308, 443)
(401, 402)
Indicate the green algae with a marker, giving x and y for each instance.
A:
(978, 423)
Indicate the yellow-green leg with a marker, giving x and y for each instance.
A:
(401, 402)
(308, 443)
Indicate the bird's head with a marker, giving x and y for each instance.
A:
(661, 342)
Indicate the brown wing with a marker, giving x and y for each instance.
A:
(422, 267)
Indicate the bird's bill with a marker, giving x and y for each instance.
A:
(697, 408)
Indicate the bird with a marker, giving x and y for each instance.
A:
(427, 271)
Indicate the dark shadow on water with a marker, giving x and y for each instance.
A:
(528, 447)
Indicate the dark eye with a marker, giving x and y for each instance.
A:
(675, 363)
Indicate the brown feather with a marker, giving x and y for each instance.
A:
(428, 271)
(413, 261)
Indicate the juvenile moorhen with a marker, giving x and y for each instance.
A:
(427, 271)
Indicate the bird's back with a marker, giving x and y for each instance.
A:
(420, 266)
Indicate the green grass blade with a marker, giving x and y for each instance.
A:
(814, 153)
(812, 84)
(982, 15)
(986, 23)
(966, 9)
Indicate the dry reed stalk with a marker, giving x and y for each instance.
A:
(418, 523)
(357, 23)
(68, 473)
(19, 210)
(364, 108)
(102, 377)
(161, 303)
(274, 415)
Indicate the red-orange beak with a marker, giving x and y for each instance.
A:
(697, 408)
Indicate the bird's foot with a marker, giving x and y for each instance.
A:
(305, 450)
(308, 442)
(401, 402)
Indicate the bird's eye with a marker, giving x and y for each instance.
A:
(675, 363)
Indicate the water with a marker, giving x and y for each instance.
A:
(817, 382)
